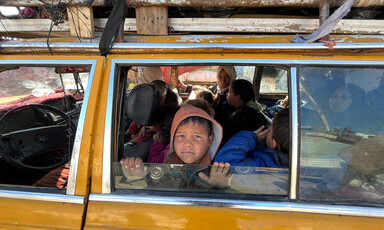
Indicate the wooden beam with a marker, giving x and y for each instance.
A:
(152, 20)
(261, 25)
(31, 25)
(238, 25)
(81, 22)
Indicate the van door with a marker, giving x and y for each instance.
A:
(45, 113)
(173, 196)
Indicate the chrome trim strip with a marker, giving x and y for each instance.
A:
(79, 132)
(247, 46)
(237, 204)
(169, 62)
(107, 155)
(45, 62)
(172, 46)
(294, 134)
(71, 185)
(11, 194)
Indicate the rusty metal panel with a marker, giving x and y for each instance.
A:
(199, 3)
(250, 3)
(53, 2)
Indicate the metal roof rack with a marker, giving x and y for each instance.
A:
(152, 18)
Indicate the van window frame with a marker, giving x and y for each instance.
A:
(293, 90)
(52, 194)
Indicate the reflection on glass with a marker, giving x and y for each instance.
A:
(342, 141)
(185, 177)
(274, 80)
(39, 111)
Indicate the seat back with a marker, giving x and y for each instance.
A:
(142, 104)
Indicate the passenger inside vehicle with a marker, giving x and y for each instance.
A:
(341, 135)
(195, 138)
(342, 109)
(272, 110)
(225, 75)
(260, 148)
(201, 104)
(171, 172)
(161, 139)
(207, 96)
(246, 114)
(375, 98)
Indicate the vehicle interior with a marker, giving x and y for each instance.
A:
(330, 148)
(39, 112)
(338, 116)
(39, 118)
(272, 80)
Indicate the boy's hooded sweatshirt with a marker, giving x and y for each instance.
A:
(191, 111)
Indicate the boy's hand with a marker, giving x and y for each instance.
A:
(133, 168)
(261, 135)
(263, 107)
(219, 175)
(156, 137)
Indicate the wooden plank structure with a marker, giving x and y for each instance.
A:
(214, 25)
(81, 22)
(152, 19)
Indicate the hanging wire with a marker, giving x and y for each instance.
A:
(78, 82)
(65, 99)
(73, 21)
(81, 20)
(54, 21)
(62, 84)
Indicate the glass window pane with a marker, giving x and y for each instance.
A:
(342, 141)
(39, 112)
(150, 142)
(245, 72)
(185, 177)
(274, 80)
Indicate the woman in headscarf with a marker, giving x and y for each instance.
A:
(344, 108)
(225, 75)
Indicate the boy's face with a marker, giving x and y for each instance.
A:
(232, 98)
(192, 142)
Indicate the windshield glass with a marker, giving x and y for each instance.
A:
(20, 82)
(39, 112)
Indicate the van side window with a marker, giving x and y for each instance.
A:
(174, 176)
(342, 135)
(39, 112)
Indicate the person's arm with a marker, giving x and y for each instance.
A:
(238, 149)
(156, 153)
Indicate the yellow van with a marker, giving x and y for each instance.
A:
(65, 116)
